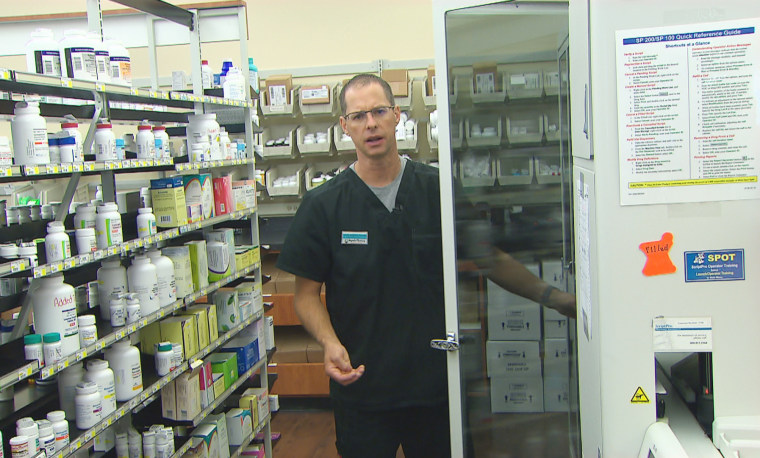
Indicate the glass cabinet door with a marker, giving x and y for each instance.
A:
(506, 162)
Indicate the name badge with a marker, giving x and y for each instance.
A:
(354, 238)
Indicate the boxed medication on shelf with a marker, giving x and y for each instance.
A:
(244, 193)
(223, 199)
(150, 336)
(239, 426)
(198, 263)
(257, 399)
(316, 139)
(208, 434)
(220, 421)
(169, 401)
(513, 358)
(398, 79)
(181, 329)
(247, 350)
(556, 394)
(514, 322)
(226, 364)
(218, 383)
(199, 190)
(278, 90)
(226, 236)
(485, 78)
(227, 308)
(311, 95)
(524, 80)
(250, 291)
(517, 394)
(206, 378)
(213, 330)
(556, 362)
(201, 324)
(483, 131)
(188, 394)
(168, 200)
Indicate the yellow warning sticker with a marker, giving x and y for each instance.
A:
(639, 397)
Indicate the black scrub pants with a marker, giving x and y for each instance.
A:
(422, 432)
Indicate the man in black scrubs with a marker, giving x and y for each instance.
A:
(372, 235)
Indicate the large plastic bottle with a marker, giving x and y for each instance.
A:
(67, 383)
(78, 56)
(121, 62)
(207, 75)
(125, 362)
(55, 310)
(234, 84)
(142, 278)
(99, 372)
(102, 58)
(43, 54)
(29, 131)
(167, 287)
(253, 75)
(112, 278)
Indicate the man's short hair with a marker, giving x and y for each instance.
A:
(362, 80)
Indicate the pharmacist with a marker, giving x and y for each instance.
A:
(372, 236)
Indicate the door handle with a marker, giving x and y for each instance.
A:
(585, 110)
(450, 344)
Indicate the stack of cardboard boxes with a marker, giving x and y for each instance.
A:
(521, 380)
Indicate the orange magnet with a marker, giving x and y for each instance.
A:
(658, 256)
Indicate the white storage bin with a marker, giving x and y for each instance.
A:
(484, 122)
(288, 109)
(457, 133)
(273, 133)
(523, 81)
(514, 169)
(342, 146)
(284, 170)
(409, 145)
(314, 148)
(524, 127)
(476, 168)
(331, 107)
(433, 142)
(323, 167)
(548, 168)
(495, 97)
(552, 127)
(550, 75)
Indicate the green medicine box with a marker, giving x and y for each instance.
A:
(225, 364)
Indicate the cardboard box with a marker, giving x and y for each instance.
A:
(207, 432)
(247, 350)
(517, 394)
(398, 80)
(244, 192)
(198, 263)
(556, 361)
(312, 95)
(430, 86)
(256, 399)
(278, 90)
(181, 329)
(206, 378)
(197, 449)
(258, 328)
(556, 394)
(226, 364)
(226, 236)
(218, 384)
(514, 322)
(555, 324)
(269, 332)
(199, 189)
(250, 292)
(150, 335)
(220, 421)
(201, 324)
(223, 199)
(169, 206)
(239, 426)
(169, 401)
(188, 394)
(227, 308)
(213, 331)
(485, 78)
(518, 358)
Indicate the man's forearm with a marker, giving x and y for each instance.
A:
(511, 275)
(315, 318)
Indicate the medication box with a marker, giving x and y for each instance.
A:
(227, 308)
(250, 292)
(226, 364)
(513, 358)
(247, 350)
(199, 189)
(207, 433)
(150, 335)
(556, 362)
(556, 394)
(168, 200)
(278, 90)
(514, 322)
(259, 403)
(517, 394)
(220, 421)
(213, 331)
(181, 329)
(398, 79)
(206, 378)
(188, 395)
(227, 236)
(315, 94)
(201, 324)
(169, 401)
(223, 200)
(239, 426)
(198, 263)
(244, 193)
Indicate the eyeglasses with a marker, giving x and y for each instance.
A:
(358, 117)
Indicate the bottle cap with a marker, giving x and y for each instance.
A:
(51, 337)
(31, 339)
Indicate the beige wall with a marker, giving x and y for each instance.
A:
(289, 33)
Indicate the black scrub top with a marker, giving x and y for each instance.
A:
(383, 275)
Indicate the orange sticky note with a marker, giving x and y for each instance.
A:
(658, 256)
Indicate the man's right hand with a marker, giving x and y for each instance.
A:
(338, 365)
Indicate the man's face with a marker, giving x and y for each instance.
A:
(374, 136)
